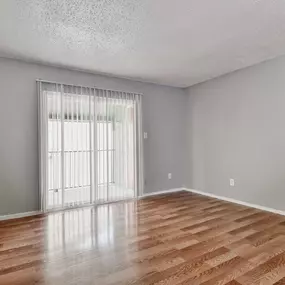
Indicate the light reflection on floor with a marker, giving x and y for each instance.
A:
(83, 229)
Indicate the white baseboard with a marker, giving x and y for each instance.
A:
(162, 192)
(19, 215)
(263, 208)
(27, 214)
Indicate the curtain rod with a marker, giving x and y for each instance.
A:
(61, 83)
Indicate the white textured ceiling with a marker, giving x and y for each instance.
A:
(172, 42)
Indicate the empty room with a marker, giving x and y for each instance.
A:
(142, 142)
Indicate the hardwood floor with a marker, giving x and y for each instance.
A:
(179, 238)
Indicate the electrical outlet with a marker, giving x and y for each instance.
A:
(145, 135)
(169, 175)
(232, 182)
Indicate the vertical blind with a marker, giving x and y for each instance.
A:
(90, 145)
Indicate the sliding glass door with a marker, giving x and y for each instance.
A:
(90, 145)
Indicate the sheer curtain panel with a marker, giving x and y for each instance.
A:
(90, 145)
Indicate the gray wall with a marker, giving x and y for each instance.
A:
(164, 117)
(236, 128)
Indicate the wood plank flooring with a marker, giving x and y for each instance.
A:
(179, 238)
